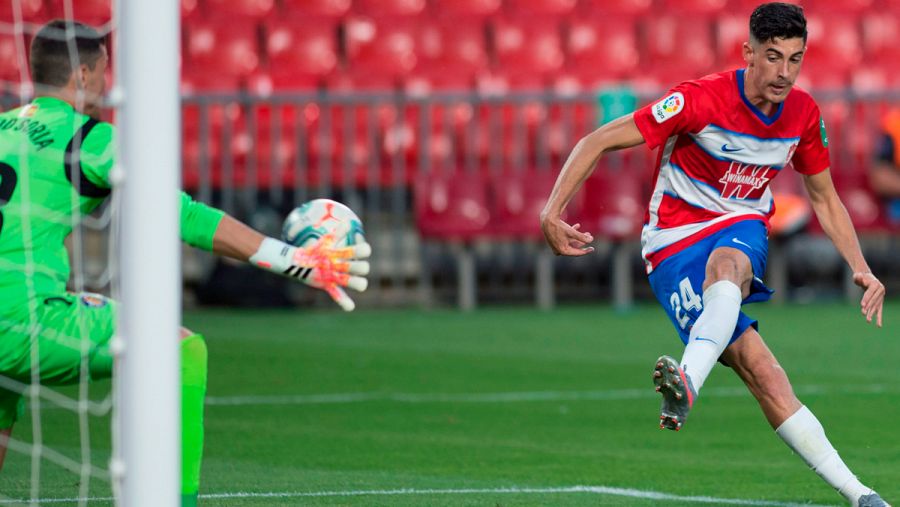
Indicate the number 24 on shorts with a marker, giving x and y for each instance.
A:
(689, 300)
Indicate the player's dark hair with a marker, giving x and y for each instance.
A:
(51, 62)
(777, 20)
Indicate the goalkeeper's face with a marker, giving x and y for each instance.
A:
(93, 84)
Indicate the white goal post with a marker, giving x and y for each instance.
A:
(147, 427)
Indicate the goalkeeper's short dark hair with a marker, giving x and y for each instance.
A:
(54, 47)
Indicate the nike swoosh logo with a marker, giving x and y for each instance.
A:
(726, 149)
(739, 242)
(697, 339)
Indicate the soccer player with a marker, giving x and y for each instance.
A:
(55, 160)
(721, 139)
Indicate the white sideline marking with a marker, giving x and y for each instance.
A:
(515, 396)
(596, 490)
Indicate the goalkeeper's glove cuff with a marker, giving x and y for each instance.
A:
(276, 256)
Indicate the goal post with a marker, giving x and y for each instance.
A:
(146, 465)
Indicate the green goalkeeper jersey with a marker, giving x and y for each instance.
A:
(54, 168)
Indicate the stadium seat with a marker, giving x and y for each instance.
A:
(602, 48)
(635, 8)
(517, 200)
(383, 48)
(745, 7)
(31, 11)
(467, 7)
(92, 12)
(379, 8)
(11, 61)
(540, 7)
(678, 48)
(300, 54)
(683, 7)
(841, 7)
(881, 37)
(240, 8)
(317, 8)
(451, 53)
(189, 8)
(732, 30)
(225, 49)
(451, 206)
(834, 42)
(527, 47)
(613, 206)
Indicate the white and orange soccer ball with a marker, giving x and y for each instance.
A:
(314, 219)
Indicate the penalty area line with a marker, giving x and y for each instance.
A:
(591, 490)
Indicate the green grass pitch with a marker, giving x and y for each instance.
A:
(312, 402)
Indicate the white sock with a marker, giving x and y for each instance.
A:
(803, 433)
(712, 331)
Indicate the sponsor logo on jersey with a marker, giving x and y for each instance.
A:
(28, 111)
(742, 179)
(822, 132)
(93, 300)
(668, 107)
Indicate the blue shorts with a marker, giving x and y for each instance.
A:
(678, 280)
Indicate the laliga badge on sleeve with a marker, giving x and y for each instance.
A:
(93, 300)
(668, 107)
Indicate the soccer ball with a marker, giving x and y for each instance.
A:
(314, 219)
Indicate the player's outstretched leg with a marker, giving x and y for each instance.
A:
(677, 391)
(794, 423)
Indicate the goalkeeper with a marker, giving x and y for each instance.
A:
(55, 159)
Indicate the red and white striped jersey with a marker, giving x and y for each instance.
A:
(717, 155)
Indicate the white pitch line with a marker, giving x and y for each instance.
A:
(514, 396)
(595, 490)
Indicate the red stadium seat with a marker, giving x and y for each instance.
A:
(92, 12)
(390, 7)
(881, 37)
(527, 47)
(636, 8)
(602, 48)
(746, 7)
(518, 198)
(678, 48)
(540, 7)
(834, 41)
(240, 8)
(838, 6)
(381, 48)
(225, 49)
(300, 54)
(13, 65)
(31, 11)
(451, 206)
(682, 7)
(613, 205)
(467, 7)
(451, 52)
(731, 33)
(318, 8)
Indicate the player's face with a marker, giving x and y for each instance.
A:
(93, 83)
(773, 67)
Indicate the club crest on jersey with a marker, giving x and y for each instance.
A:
(668, 107)
(93, 300)
(743, 179)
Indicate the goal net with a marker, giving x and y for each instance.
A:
(75, 440)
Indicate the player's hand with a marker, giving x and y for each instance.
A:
(332, 269)
(873, 297)
(566, 239)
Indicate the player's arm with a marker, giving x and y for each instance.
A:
(563, 238)
(837, 225)
(321, 266)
